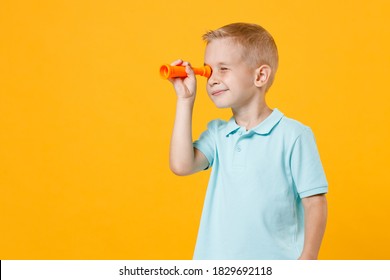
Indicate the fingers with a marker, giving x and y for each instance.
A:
(177, 62)
(180, 62)
(185, 86)
(188, 69)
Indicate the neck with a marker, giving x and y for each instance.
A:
(251, 117)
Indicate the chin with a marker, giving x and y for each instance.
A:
(222, 106)
(220, 103)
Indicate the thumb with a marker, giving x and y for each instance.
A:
(189, 70)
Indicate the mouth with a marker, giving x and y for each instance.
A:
(218, 92)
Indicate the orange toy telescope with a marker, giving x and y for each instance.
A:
(168, 71)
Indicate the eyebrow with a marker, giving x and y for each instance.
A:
(218, 64)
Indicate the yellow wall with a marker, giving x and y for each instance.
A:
(85, 121)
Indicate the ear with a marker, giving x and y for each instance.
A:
(262, 75)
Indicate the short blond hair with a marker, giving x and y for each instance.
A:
(258, 45)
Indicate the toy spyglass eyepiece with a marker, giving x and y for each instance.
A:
(169, 71)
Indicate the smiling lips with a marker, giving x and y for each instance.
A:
(218, 92)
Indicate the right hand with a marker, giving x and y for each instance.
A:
(185, 87)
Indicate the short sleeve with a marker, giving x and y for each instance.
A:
(207, 143)
(306, 167)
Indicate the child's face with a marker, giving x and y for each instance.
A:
(231, 84)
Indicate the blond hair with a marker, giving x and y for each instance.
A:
(259, 47)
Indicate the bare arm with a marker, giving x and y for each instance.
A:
(316, 212)
(184, 159)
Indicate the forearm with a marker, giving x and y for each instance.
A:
(315, 208)
(181, 148)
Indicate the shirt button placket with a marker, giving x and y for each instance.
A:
(239, 155)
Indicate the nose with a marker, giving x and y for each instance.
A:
(213, 80)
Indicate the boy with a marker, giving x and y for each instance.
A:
(265, 198)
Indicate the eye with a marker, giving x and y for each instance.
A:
(224, 68)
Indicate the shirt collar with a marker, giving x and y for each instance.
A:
(264, 128)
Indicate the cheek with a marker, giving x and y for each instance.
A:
(246, 78)
(245, 83)
(208, 89)
(235, 84)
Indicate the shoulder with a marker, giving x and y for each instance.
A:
(217, 125)
(293, 127)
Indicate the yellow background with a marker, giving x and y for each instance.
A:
(85, 121)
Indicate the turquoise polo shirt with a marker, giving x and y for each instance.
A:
(253, 208)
